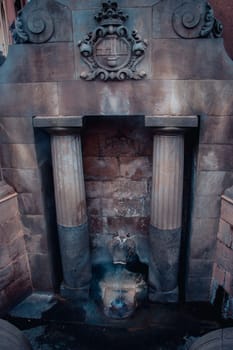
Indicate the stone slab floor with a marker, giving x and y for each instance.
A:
(51, 325)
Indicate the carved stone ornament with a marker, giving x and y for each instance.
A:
(33, 25)
(111, 51)
(195, 19)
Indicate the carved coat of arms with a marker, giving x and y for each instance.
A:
(112, 51)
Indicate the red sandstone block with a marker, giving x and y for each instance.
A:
(21, 156)
(143, 141)
(94, 189)
(4, 303)
(135, 168)
(10, 229)
(117, 144)
(6, 276)
(16, 130)
(21, 266)
(10, 252)
(124, 189)
(31, 203)
(9, 209)
(219, 274)
(35, 243)
(95, 224)
(132, 225)
(23, 180)
(90, 145)
(101, 168)
(17, 248)
(215, 157)
(227, 211)
(203, 238)
(18, 288)
(36, 224)
(225, 233)
(4, 256)
(94, 206)
(207, 206)
(228, 285)
(224, 256)
(125, 207)
(216, 130)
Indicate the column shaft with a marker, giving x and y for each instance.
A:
(166, 216)
(71, 214)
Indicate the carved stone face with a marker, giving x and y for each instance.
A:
(112, 53)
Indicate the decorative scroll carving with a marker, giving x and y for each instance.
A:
(194, 19)
(111, 51)
(33, 26)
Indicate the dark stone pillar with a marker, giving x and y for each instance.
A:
(71, 214)
(166, 214)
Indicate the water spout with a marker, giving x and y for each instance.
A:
(122, 248)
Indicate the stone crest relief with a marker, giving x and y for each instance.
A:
(112, 51)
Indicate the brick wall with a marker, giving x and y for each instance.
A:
(223, 266)
(15, 278)
(117, 154)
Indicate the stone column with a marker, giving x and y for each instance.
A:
(166, 215)
(71, 214)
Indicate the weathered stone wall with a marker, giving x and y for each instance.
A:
(222, 270)
(213, 175)
(184, 77)
(15, 277)
(117, 154)
(25, 166)
(223, 10)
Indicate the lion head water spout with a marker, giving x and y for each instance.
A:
(122, 248)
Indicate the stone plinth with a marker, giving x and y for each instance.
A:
(71, 214)
(166, 213)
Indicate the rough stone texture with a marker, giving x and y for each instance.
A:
(117, 167)
(45, 62)
(15, 278)
(223, 265)
(222, 10)
(184, 77)
(164, 264)
(75, 259)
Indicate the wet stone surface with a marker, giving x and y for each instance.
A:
(153, 326)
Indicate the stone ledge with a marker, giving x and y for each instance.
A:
(58, 122)
(171, 121)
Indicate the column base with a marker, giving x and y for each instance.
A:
(75, 294)
(171, 296)
(164, 264)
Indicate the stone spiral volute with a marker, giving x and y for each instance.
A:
(33, 26)
(194, 19)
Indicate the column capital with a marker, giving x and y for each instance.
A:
(169, 121)
(169, 131)
(59, 125)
